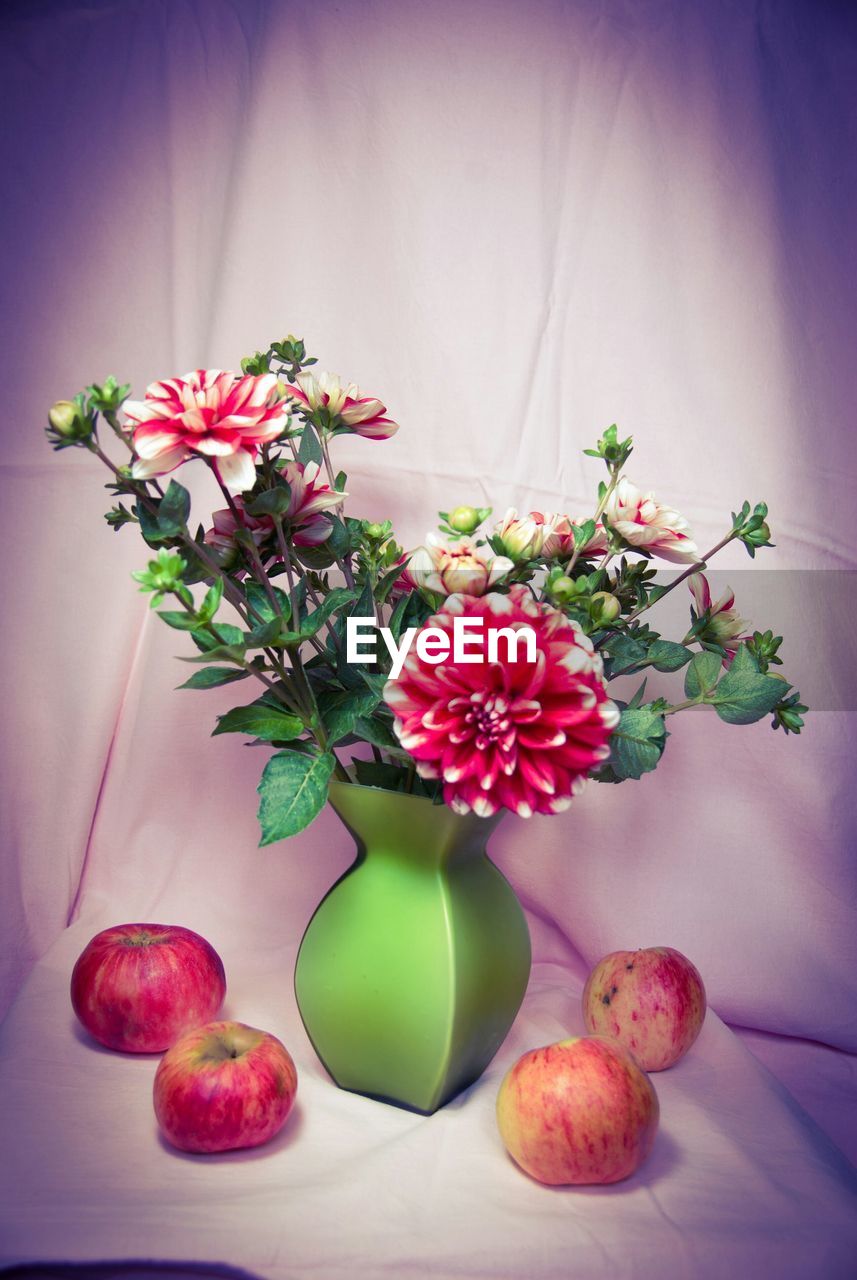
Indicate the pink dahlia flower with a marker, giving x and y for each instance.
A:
(220, 416)
(517, 735)
(304, 519)
(361, 414)
(462, 567)
(558, 535)
(644, 522)
(308, 503)
(725, 626)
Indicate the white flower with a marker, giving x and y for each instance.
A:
(644, 522)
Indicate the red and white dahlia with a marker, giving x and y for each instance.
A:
(363, 415)
(644, 522)
(304, 517)
(220, 416)
(308, 503)
(725, 626)
(518, 735)
(463, 567)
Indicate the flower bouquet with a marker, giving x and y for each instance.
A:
(468, 676)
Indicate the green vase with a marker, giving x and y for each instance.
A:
(414, 965)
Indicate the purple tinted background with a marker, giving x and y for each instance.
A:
(517, 224)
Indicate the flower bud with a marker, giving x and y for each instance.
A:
(66, 420)
(522, 537)
(373, 530)
(464, 520)
(563, 589)
(605, 607)
(761, 536)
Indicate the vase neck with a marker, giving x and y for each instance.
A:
(394, 824)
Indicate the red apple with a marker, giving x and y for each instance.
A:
(580, 1111)
(137, 987)
(652, 1001)
(224, 1086)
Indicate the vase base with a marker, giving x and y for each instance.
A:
(407, 1106)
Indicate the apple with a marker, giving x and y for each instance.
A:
(579, 1111)
(223, 1086)
(137, 987)
(652, 1001)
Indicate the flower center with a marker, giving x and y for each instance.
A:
(488, 718)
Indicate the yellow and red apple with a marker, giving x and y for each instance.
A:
(651, 1000)
(579, 1111)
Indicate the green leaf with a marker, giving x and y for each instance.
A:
(373, 730)
(370, 773)
(317, 558)
(272, 502)
(180, 619)
(582, 533)
(149, 526)
(211, 601)
(211, 677)
(267, 633)
(637, 699)
(340, 711)
(397, 616)
(702, 674)
(339, 540)
(626, 654)
(638, 741)
(334, 600)
(292, 791)
(174, 509)
(745, 695)
(411, 611)
(309, 449)
(228, 634)
(228, 652)
(258, 598)
(666, 655)
(388, 581)
(655, 592)
(376, 680)
(260, 721)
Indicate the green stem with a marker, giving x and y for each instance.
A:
(290, 569)
(328, 466)
(681, 706)
(344, 565)
(697, 567)
(599, 511)
(113, 422)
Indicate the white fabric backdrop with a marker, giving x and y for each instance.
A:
(516, 224)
